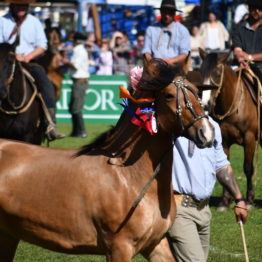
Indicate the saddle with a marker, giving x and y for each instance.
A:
(253, 84)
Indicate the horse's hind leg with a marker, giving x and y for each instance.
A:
(8, 247)
(249, 151)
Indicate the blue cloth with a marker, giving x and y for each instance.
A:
(167, 42)
(32, 34)
(194, 172)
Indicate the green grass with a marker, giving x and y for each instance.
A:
(226, 243)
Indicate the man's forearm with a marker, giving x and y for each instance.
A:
(227, 179)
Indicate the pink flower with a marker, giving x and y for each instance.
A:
(135, 75)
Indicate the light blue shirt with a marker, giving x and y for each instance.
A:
(167, 44)
(32, 34)
(194, 171)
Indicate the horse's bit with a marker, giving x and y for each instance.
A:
(181, 86)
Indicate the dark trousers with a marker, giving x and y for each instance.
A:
(78, 96)
(46, 88)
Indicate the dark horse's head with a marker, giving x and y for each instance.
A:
(178, 107)
(210, 66)
(7, 64)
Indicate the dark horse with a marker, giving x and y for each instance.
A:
(234, 108)
(20, 110)
(113, 197)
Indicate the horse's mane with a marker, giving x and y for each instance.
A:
(164, 75)
(209, 63)
(96, 142)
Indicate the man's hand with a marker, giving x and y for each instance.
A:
(24, 58)
(240, 211)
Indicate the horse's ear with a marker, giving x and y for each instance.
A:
(146, 59)
(202, 53)
(223, 58)
(186, 63)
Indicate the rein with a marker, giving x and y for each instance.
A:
(23, 107)
(234, 105)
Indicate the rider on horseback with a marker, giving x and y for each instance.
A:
(247, 41)
(32, 43)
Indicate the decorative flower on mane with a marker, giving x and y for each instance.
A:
(135, 75)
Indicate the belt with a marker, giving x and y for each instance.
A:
(189, 201)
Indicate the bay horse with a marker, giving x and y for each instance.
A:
(114, 196)
(21, 116)
(235, 109)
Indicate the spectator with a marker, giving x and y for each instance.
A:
(213, 33)
(80, 76)
(93, 52)
(105, 60)
(68, 45)
(121, 48)
(137, 55)
(195, 43)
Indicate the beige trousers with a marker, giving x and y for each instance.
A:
(190, 234)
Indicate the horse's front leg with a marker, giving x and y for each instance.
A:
(120, 250)
(161, 253)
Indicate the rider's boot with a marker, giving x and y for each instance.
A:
(51, 132)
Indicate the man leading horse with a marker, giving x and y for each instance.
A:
(19, 25)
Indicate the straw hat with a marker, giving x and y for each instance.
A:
(170, 4)
(20, 2)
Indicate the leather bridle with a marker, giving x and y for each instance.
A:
(183, 88)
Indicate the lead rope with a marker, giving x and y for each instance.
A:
(145, 189)
(234, 105)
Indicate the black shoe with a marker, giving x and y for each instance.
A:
(81, 135)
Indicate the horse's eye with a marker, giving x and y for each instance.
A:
(169, 96)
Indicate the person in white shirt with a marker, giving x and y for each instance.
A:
(80, 76)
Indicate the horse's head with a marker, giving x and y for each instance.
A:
(7, 64)
(178, 108)
(212, 67)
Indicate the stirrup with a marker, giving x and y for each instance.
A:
(52, 134)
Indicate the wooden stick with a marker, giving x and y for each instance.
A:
(243, 240)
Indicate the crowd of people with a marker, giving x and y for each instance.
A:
(116, 55)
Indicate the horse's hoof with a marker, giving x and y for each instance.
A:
(222, 209)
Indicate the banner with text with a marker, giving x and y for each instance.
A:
(101, 100)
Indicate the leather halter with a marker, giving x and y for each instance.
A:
(181, 86)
